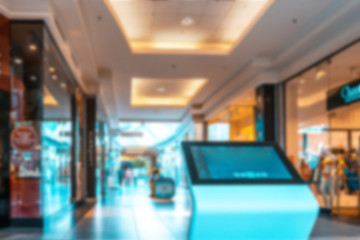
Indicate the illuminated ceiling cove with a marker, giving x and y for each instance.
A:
(49, 100)
(183, 26)
(164, 92)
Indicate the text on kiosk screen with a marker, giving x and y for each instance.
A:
(229, 162)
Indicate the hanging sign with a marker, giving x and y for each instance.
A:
(24, 138)
(344, 95)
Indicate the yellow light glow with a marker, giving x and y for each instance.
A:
(177, 92)
(157, 26)
(310, 100)
(320, 74)
(49, 100)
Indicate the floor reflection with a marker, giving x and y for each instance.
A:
(129, 213)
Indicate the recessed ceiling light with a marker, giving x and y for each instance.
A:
(18, 60)
(320, 74)
(33, 78)
(161, 89)
(33, 47)
(182, 91)
(232, 29)
(63, 85)
(54, 77)
(187, 21)
(302, 81)
(52, 69)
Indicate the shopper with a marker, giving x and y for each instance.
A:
(121, 175)
(128, 176)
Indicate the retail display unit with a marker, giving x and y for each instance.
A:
(247, 191)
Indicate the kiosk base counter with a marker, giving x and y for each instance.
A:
(253, 212)
(247, 191)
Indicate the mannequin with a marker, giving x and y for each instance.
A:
(328, 169)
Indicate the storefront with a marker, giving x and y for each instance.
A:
(44, 129)
(323, 129)
(5, 97)
(41, 83)
(236, 122)
(249, 117)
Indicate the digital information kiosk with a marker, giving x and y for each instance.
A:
(247, 191)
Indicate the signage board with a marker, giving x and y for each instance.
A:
(131, 134)
(24, 138)
(343, 95)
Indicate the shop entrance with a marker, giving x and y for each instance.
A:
(340, 163)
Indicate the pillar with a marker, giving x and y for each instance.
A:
(265, 113)
(4, 122)
(90, 146)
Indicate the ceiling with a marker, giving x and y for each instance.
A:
(164, 92)
(288, 36)
(178, 26)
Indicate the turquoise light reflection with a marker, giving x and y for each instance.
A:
(219, 132)
(149, 134)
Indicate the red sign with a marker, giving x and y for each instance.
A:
(24, 138)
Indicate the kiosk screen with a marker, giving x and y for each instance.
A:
(238, 162)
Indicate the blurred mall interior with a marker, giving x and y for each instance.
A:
(179, 119)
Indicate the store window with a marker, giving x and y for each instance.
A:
(323, 129)
(242, 123)
(41, 85)
(219, 127)
(236, 122)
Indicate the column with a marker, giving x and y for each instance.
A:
(4, 122)
(265, 113)
(90, 142)
(200, 127)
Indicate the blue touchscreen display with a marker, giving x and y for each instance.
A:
(239, 162)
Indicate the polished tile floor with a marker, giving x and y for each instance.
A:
(128, 213)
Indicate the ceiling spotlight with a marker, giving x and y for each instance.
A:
(18, 60)
(320, 74)
(34, 41)
(33, 47)
(33, 78)
(52, 69)
(161, 89)
(302, 81)
(63, 85)
(54, 77)
(187, 21)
